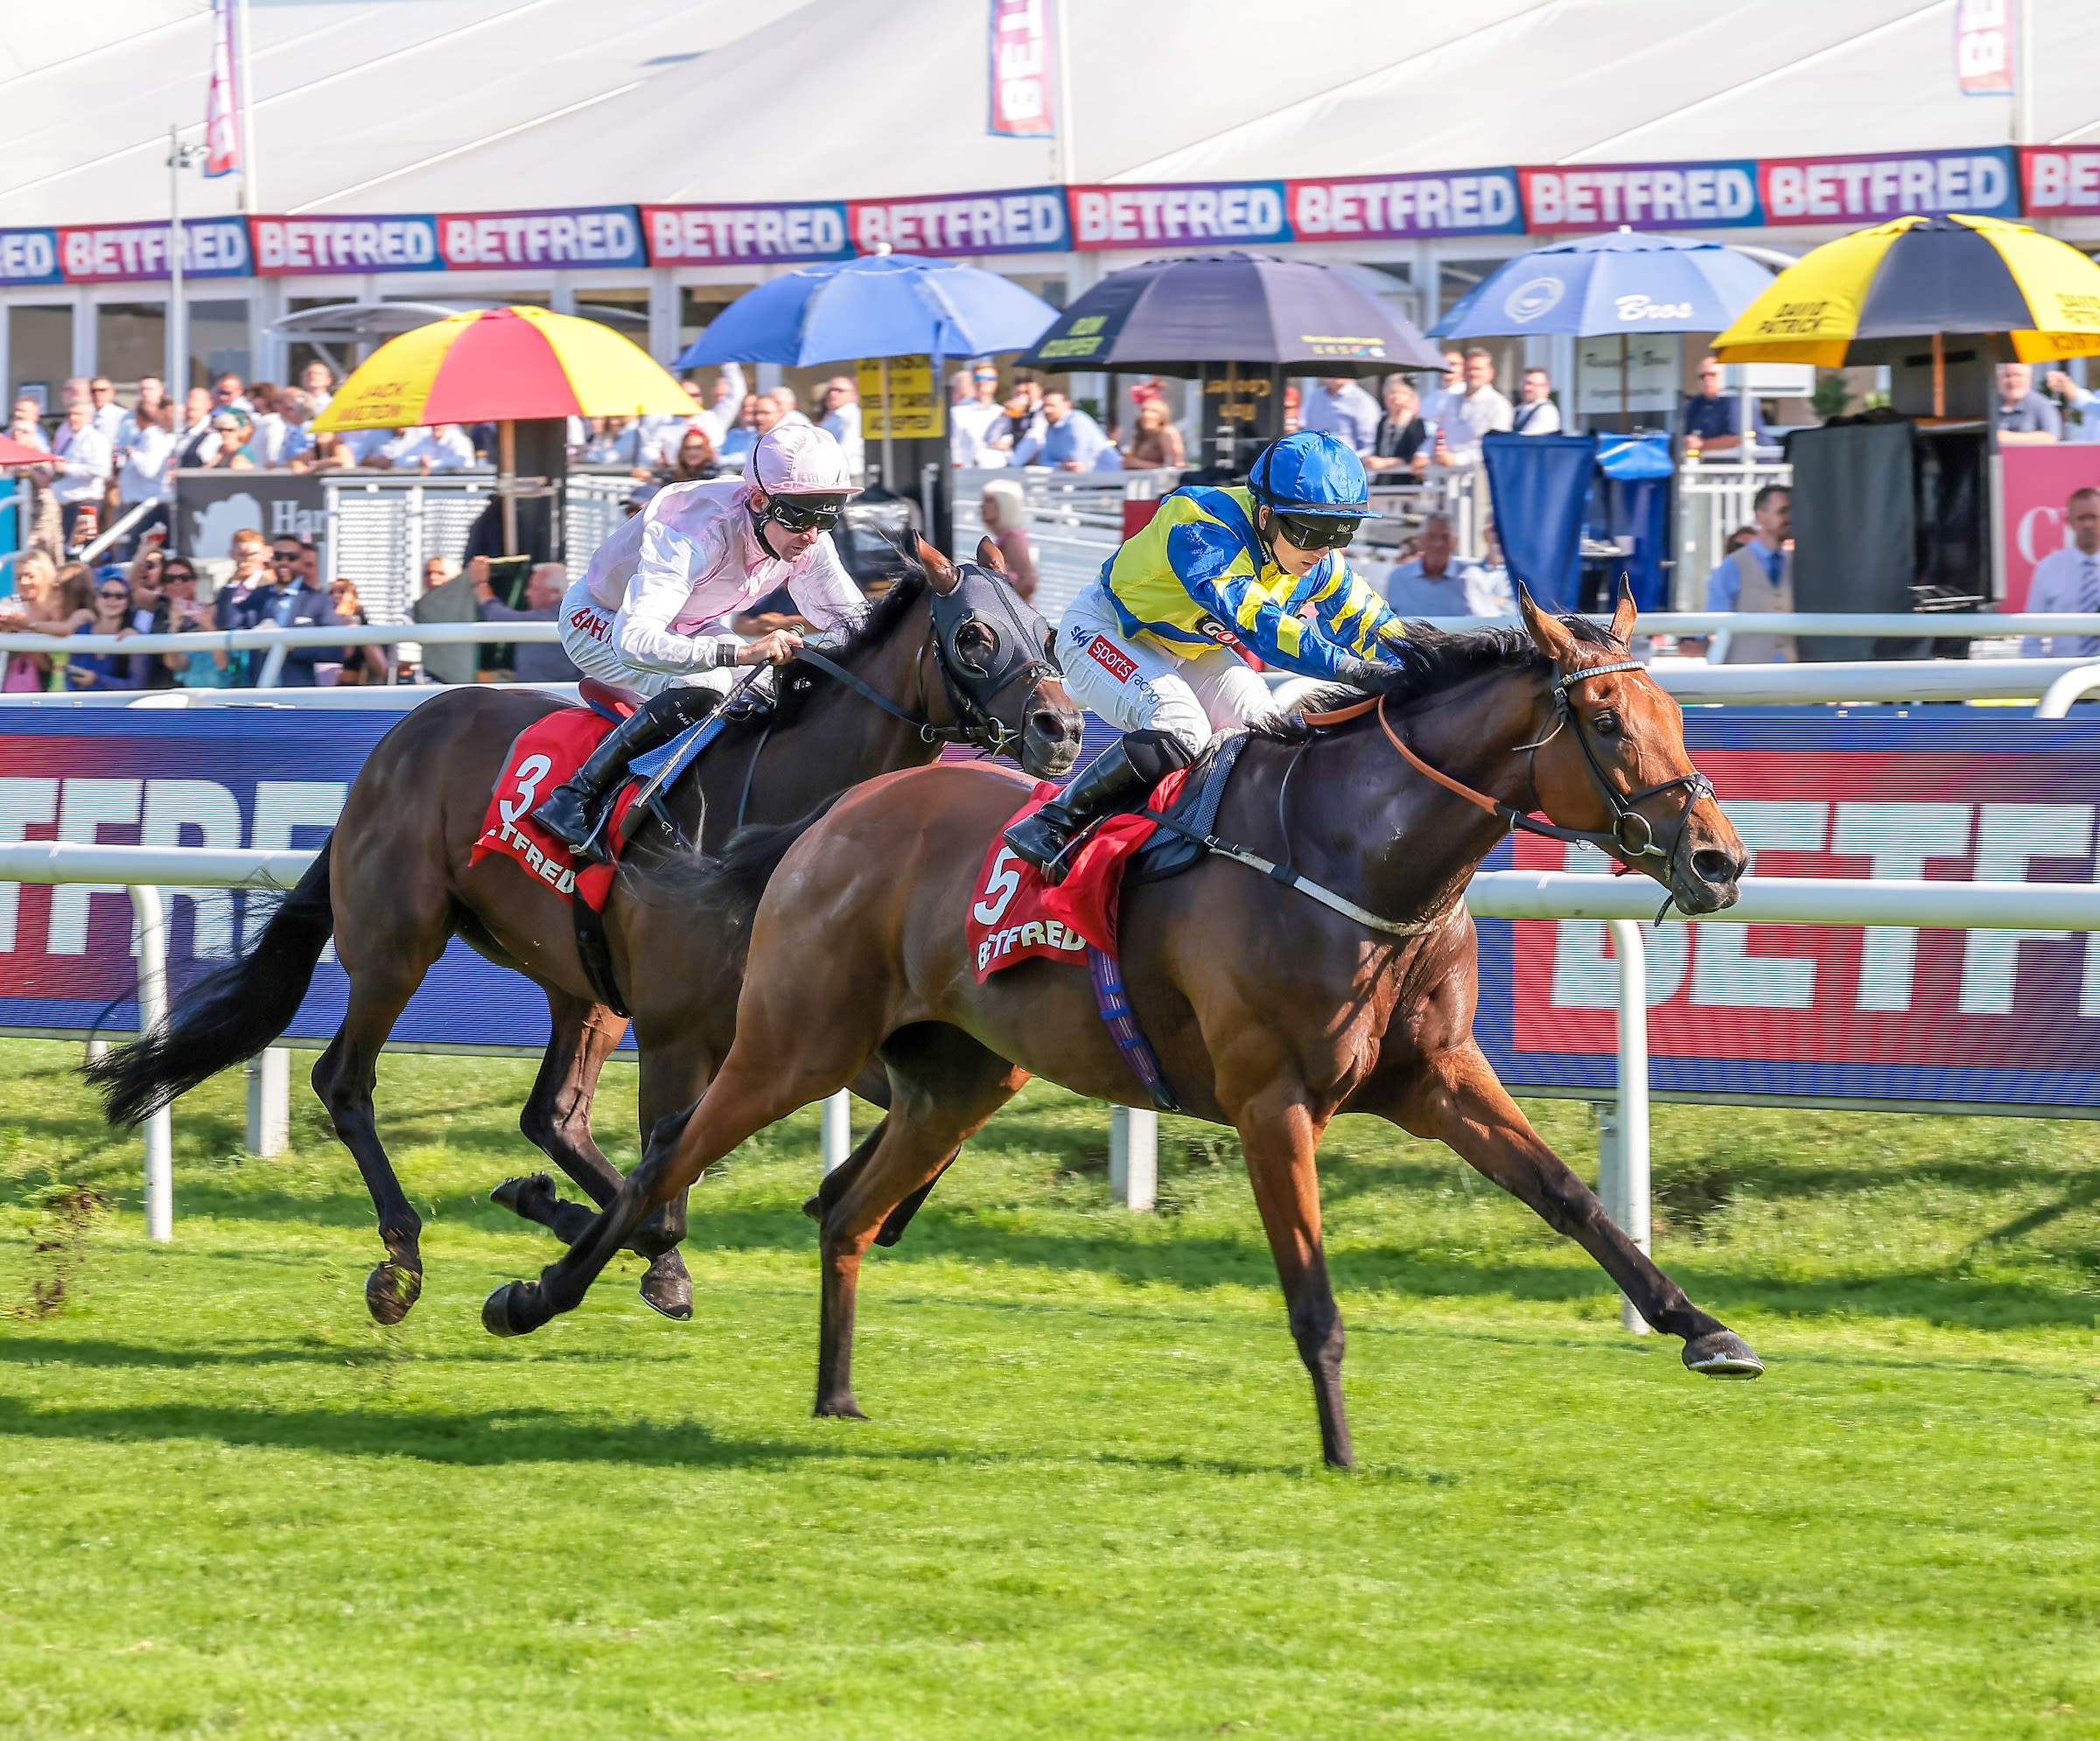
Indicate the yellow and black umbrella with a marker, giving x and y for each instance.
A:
(1871, 297)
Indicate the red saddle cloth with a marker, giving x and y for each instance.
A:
(544, 754)
(1014, 915)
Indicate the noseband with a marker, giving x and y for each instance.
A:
(1621, 841)
(971, 690)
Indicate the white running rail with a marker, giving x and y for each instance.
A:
(1623, 902)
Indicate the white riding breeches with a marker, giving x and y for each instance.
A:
(587, 639)
(1138, 686)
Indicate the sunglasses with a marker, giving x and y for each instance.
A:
(114, 593)
(283, 555)
(806, 514)
(177, 576)
(1307, 533)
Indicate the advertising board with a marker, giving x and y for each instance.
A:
(1990, 1019)
(1995, 1020)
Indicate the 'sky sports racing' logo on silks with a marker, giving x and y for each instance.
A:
(1112, 659)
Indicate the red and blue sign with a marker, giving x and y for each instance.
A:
(2006, 1020)
(1989, 1018)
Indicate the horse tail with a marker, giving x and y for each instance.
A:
(227, 1016)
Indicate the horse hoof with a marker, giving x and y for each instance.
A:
(1722, 1353)
(839, 1408)
(499, 1313)
(390, 1291)
(536, 1190)
(667, 1288)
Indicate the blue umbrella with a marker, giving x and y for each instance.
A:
(1619, 281)
(881, 305)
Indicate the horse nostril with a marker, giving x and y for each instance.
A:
(1715, 866)
(1051, 726)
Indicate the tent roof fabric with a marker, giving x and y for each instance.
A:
(461, 105)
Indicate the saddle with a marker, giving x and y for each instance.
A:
(1170, 850)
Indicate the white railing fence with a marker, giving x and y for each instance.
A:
(1624, 902)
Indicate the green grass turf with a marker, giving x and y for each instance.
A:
(1090, 1505)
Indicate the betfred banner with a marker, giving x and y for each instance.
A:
(291, 247)
(1021, 221)
(218, 778)
(110, 254)
(589, 235)
(1865, 190)
(1211, 212)
(1640, 196)
(1476, 202)
(30, 257)
(2037, 486)
(1023, 70)
(711, 235)
(1984, 1018)
(2056, 183)
(1983, 47)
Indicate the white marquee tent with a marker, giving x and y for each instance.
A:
(431, 105)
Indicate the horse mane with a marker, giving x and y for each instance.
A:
(1430, 661)
(796, 683)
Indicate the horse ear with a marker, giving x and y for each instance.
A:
(1624, 618)
(990, 555)
(939, 572)
(1547, 633)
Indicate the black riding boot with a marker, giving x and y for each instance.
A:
(1126, 770)
(572, 813)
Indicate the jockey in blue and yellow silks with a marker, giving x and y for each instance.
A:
(1144, 646)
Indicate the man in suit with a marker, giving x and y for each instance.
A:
(292, 600)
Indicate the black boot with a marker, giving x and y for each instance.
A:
(1126, 770)
(573, 813)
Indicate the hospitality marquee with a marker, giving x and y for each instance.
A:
(1556, 199)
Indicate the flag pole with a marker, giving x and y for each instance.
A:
(177, 323)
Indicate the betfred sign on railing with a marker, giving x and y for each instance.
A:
(2005, 1019)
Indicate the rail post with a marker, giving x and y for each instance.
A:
(269, 1101)
(1631, 1211)
(1134, 1156)
(838, 1129)
(152, 1012)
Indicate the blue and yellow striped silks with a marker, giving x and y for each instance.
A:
(1199, 568)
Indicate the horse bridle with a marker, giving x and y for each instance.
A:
(1618, 841)
(970, 696)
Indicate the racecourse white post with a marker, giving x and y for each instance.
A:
(1134, 1156)
(838, 1129)
(269, 1101)
(1633, 1179)
(152, 1012)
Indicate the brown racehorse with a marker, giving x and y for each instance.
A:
(1270, 1011)
(948, 653)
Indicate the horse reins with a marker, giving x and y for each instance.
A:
(1617, 842)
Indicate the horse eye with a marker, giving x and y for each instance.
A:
(975, 644)
(1606, 724)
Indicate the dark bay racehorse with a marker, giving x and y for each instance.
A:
(1270, 1011)
(948, 653)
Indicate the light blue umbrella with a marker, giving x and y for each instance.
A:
(1622, 281)
(881, 305)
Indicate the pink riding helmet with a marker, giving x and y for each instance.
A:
(800, 459)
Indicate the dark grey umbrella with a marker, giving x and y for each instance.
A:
(1172, 316)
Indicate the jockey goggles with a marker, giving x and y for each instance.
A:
(1311, 532)
(803, 514)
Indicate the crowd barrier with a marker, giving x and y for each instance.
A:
(1690, 681)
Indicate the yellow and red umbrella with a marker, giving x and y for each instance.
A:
(498, 365)
(1870, 297)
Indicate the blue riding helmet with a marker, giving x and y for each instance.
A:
(1312, 473)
